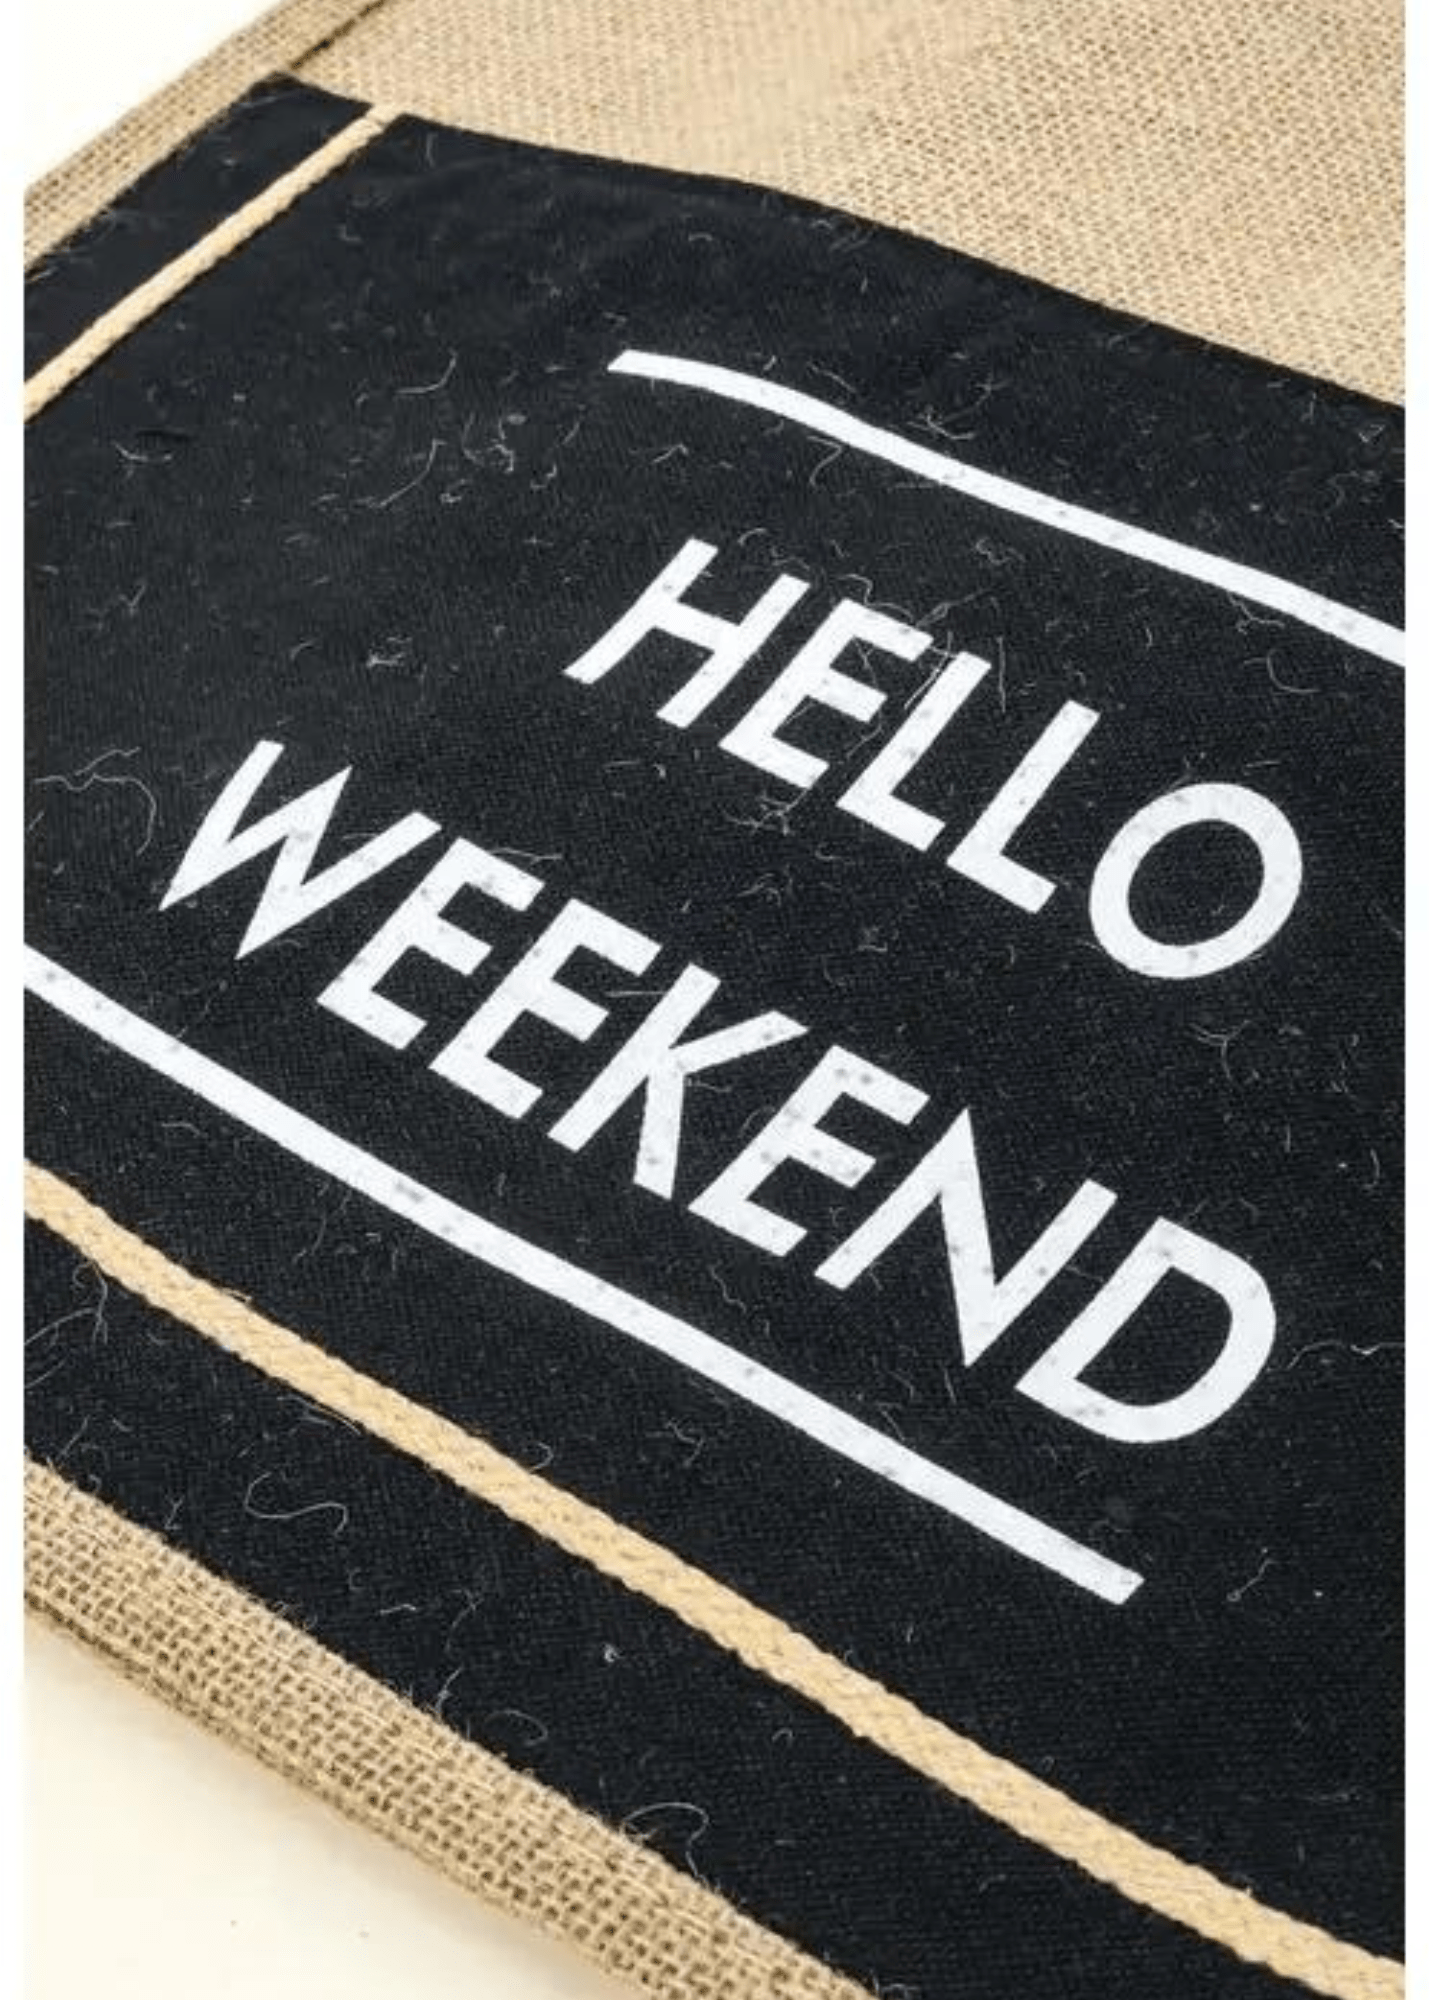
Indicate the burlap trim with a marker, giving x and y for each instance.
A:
(1228, 168)
(90, 179)
(1146, 1874)
(1234, 171)
(217, 1654)
(166, 284)
(220, 1656)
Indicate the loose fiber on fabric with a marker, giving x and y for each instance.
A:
(1037, 1811)
(165, 286)
(1224, 172)
(1218, 167)
(68, 196)
(261, 1683)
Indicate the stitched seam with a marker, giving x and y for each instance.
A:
(166, 284)
(288, 35)
(1145, 1874)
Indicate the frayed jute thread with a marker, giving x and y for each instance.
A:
(1145, 1874)
(167, 283)
(197, 1639)
(217, 1654)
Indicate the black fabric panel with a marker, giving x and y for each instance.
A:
(169, 208)
(801, 1532)
(569, 1676)
(398, 491)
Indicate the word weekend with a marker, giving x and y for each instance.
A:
(675, 1042)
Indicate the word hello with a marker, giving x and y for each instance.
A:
(674, 1042)
(876, 795)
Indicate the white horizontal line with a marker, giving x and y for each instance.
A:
(490, 1244)
(1255, 586)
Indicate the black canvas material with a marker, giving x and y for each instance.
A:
(168, 209)
(367, 491)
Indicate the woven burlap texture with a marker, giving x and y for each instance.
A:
(93, 177)
(1232, 170)
(219, 1655)
(1014, 1797)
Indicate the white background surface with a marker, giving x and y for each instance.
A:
(89, 61)
(160, 1864)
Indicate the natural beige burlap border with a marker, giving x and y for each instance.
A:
(1233, 175)
(1015, 1798)
(1226, 167)
(1229, 169)
(219, 1655)
(90, 179)
(1223, 167)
